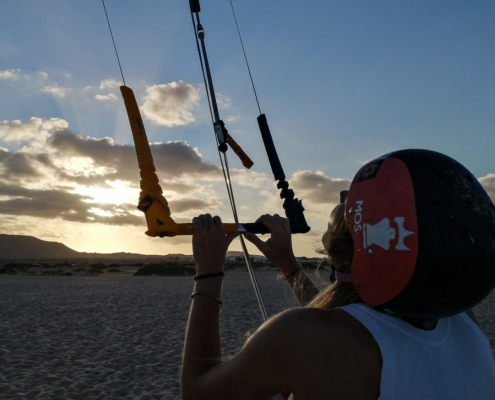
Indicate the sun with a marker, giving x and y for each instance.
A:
(116, 193)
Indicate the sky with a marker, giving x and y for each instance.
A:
(341, 82)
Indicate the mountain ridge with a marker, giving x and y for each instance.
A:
(17, 247)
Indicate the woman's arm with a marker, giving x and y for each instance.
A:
(202, 350)
(261, 370)
(278, 249)
(257, 371)
(302, 286)
(300, 350)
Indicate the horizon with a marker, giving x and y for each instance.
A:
(340, 82)
(230, 253)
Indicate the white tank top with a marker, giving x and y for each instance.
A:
(451, 362)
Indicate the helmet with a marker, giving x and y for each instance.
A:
(423, 230)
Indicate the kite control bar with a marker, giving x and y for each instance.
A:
(151, 199)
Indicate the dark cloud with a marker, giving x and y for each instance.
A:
(70, 160)
(317, 187)
(96, 179)
(178, 159)
(182, 205)
(18, 165)
(172, 159)
(22, 165)
(53, 204)
(177, 187)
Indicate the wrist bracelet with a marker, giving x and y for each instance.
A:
(293, 272)
(212, 275)
(200, 293)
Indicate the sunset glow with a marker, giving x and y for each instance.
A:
(346, 83)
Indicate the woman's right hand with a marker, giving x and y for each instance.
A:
(277, 249)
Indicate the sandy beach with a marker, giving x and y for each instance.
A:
(121, 337)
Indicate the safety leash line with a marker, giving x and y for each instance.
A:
(205, 69)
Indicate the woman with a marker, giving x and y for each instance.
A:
(399, 244)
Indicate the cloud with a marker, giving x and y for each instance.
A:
(488, 183)
(57, 204)
(17, 166)
(109, 84)
(35, 131)
(253, 179)
(105, 97)
(10, 74)
(60, 175)
(177, 187)
(17, 74)
(30, 80)
(55, 181)
(170, 104)
(318, 188)
(53, 124)
(224, 101)
(51, 235)
(56, 90)
(115, 161)
(183, 205)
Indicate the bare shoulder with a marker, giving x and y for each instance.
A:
(310, 352)
(330, 349)
(335, 325)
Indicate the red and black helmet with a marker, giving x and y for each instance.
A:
(423, 230)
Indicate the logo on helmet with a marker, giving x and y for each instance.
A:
(369, 171)
(382, 234)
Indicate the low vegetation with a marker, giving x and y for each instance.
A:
(166, 268)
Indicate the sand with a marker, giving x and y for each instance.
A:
(120, 337)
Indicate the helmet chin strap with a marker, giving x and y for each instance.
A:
(343, 277)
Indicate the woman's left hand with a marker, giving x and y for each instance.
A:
(210, 244)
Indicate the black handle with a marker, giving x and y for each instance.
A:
(262, 229)
(266, 135)
(195, 7)
(293, 207)
(255, 228)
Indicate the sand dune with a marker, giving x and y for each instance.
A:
(120, 337)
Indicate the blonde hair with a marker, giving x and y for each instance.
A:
(340, 251)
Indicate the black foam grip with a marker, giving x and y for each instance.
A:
(266, 135)
(255, 228)
(262, 229)
(195, 7)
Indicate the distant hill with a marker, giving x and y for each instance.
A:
(29, 247)
(20, 247)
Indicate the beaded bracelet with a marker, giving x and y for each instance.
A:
(200, 293)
